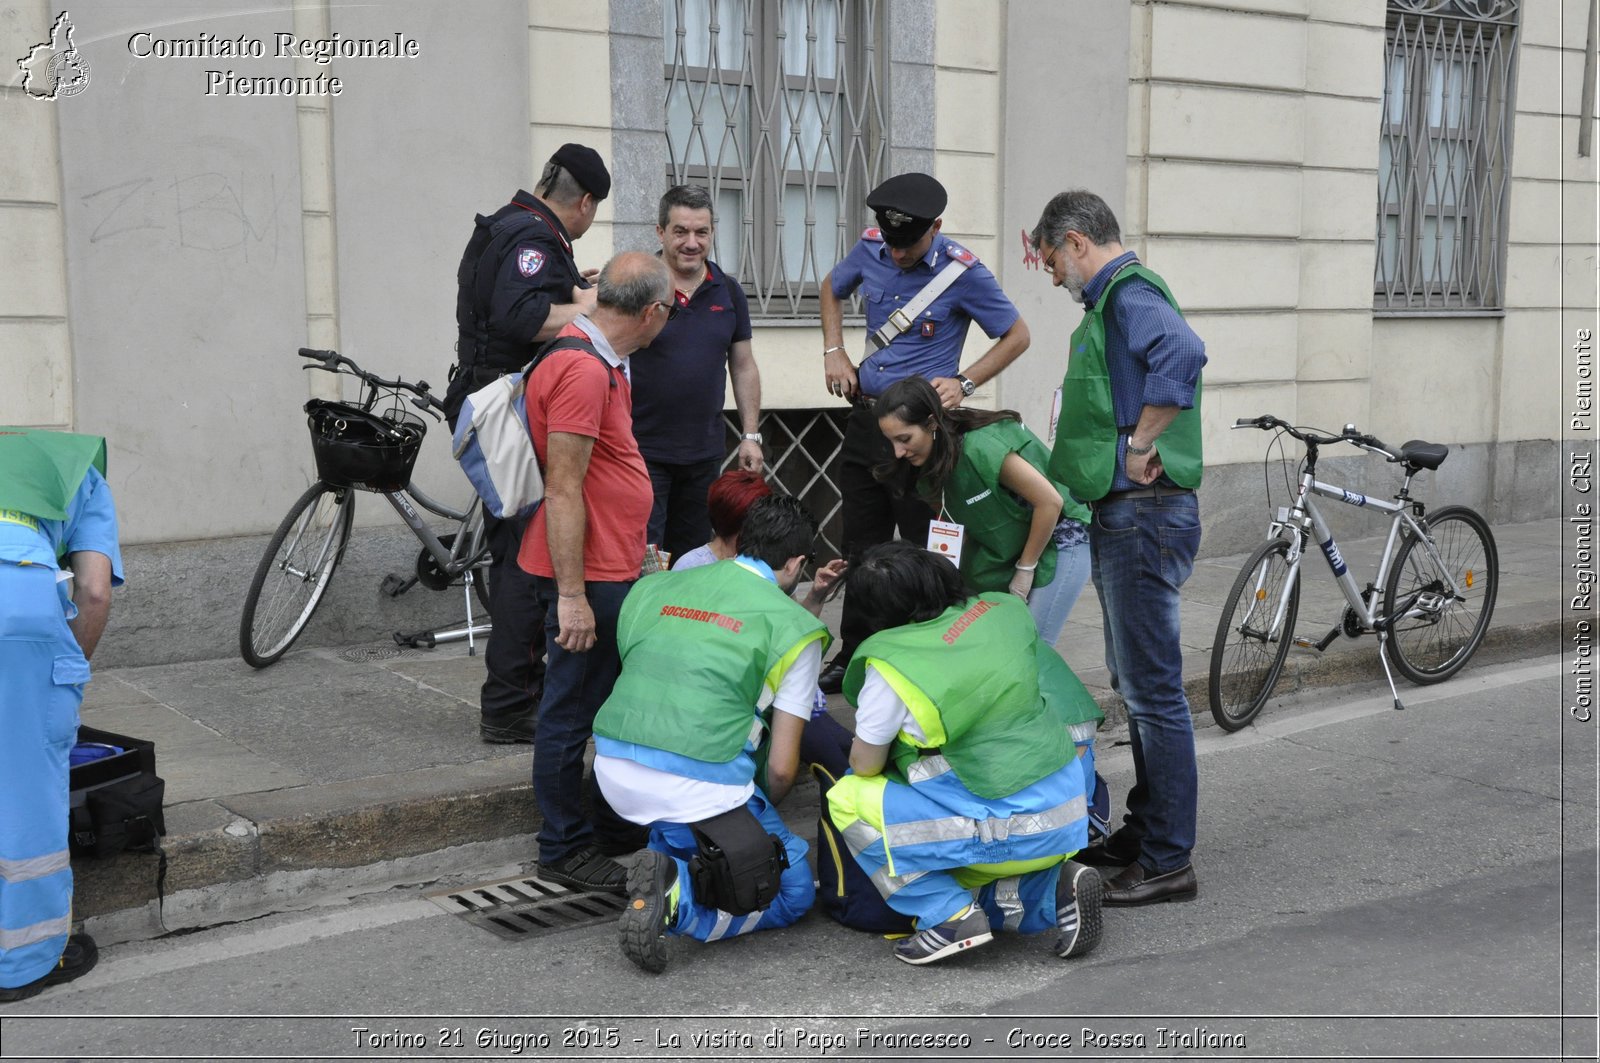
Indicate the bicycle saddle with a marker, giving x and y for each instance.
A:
(1421, 454)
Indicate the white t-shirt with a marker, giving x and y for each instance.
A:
(880, 713)
(642, 794)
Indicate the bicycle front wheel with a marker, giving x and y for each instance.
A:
(295, 572)
(1438, 610)
(1252, 637)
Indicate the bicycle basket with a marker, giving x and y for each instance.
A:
(358, 448)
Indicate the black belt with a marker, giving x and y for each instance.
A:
(1153, 491)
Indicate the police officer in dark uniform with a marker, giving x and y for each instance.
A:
(892, 264)
(517, 286)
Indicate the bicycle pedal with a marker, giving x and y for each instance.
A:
(394, 586)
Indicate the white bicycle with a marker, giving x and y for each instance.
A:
(1439, 574)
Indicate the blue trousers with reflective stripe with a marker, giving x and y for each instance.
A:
(937, 828)
(1024, 903)
(704, 923)
(42, 673)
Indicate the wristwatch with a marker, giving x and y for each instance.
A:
(1140, 451)
(754, 437)
(967, 386)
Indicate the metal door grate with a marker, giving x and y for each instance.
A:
(802, 451)
(517, 909)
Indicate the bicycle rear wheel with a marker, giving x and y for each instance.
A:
(1248, 653)
(1438, 617)
(294, 573)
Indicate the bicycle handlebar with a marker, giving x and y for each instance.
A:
(1267, 422)
(333, 360)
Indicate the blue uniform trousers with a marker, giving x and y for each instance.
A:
(704, 923)
(42, 674)
(929, 844)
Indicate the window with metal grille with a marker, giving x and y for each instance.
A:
(1444, 154)
(777, 107)
(802, 454)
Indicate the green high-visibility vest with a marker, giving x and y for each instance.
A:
(996, 523)
(697, 647)
(971, 679)
(40, 471)
(1085, 454)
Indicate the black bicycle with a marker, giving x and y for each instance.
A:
(367, 446)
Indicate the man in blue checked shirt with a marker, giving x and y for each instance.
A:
(1128, 443)
(898, 264)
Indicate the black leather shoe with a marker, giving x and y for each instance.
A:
(831, 681)
(1134, 886)
(1114, 851)
(501, 731)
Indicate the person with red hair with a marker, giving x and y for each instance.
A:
(729, 499)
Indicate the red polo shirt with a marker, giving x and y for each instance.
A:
(573, 391)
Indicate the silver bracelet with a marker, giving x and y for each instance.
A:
(829, 350)
(1026, 568)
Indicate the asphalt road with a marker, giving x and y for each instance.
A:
(1374, 884)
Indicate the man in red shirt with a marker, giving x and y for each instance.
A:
(584, 547)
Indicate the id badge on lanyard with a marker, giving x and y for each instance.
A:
(945, 539)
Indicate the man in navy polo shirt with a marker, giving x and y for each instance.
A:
(678, 385)
(892, 263)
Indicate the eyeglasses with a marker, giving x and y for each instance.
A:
(672, 307)
(1050, 260)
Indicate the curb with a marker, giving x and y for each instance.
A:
(242, 857)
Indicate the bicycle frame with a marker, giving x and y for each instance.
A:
(1305, 517)
(455, 559)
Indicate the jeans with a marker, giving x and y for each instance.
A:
(678, 519)
(1051, 604)
(1142, 550)
(871, 513)
(575, 686)
(513, 657)
(698, 919)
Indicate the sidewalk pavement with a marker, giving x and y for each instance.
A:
(329, 767)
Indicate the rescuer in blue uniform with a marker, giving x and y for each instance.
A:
(58, 563)
(891, 264)
(700, 738)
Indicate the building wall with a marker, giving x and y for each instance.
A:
(162, 254)
(1488, 380)
(35, 338)
(1063, 74)
(1251, 186)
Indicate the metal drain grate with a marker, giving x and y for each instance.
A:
(520, 908)
(368, 654)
